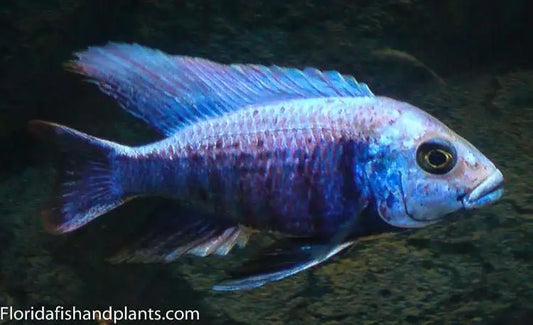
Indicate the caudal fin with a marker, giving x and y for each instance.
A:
(86, 186)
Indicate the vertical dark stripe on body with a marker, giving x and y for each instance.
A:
(336, 198)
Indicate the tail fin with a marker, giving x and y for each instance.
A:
(86, 186)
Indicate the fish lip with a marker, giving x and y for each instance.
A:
(487, 192)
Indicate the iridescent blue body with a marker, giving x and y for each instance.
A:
(293, 175)
(304, 153)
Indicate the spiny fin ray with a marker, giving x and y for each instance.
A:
(168, 92)
(175, 230)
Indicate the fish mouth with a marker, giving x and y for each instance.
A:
(486, 193)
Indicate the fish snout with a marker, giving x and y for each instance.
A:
(487, 192)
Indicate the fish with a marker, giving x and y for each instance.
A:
(312, 156)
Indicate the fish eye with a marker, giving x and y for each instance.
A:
(436, 156)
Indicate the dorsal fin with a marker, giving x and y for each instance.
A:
(169, 92)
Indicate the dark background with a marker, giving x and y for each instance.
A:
(467, 62)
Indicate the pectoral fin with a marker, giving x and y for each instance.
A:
(291, 256)
(280, 261)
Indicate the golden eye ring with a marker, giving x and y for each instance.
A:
(436, 156)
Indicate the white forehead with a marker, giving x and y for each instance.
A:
(410, 125)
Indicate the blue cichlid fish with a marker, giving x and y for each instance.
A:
(312, 155)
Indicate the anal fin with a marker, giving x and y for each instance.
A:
(223, 243)
(176, 230)
(279, 261)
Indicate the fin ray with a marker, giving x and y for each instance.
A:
(169, 92)
(85, 185)
(175, 230)
(280, 261)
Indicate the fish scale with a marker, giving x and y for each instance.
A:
(297, 156)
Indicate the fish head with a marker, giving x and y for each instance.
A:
(426, 172)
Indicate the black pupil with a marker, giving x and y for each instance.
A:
(436, 158)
